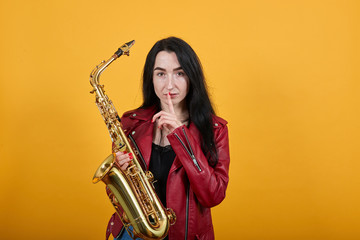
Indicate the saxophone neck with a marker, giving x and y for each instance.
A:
(95, 74)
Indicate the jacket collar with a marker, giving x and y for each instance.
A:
(144, 114)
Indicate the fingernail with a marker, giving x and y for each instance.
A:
(131, 157)
(130, 154)
(125, 151)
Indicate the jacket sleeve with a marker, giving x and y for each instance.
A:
(208, 183)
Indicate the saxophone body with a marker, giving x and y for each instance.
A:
(132, 193)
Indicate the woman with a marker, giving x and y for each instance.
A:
(181, 140)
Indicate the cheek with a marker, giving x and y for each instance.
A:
(185, 86)
(157, 87)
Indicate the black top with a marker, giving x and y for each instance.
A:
(160, 164)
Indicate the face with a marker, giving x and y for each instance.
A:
(169, 77)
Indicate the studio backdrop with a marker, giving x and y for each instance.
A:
(284, 74)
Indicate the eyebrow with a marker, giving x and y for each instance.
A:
(162, 69)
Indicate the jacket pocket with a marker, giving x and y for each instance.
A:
(208, 235)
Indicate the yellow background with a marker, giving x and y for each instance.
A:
(285, 74)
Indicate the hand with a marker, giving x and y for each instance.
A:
(123, 160)
(167, 120)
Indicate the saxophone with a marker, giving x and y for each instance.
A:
(131, 191)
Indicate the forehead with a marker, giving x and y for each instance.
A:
(166, 59)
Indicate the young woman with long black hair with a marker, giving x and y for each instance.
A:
(184, 144)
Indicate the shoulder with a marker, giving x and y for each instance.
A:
(136, 117)
(139, 114)
(220, 128)
(218, 122)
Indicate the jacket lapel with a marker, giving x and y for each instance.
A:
(144, 142)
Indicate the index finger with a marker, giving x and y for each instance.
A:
(171, 106)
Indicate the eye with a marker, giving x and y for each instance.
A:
(160, 74)
(180, 74)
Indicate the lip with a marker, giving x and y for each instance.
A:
(173, 95)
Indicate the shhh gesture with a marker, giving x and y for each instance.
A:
(167, 119)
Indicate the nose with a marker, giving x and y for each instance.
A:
(170, 83)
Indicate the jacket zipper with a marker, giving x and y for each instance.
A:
(121, 232)
(137, 149)
(187, 211)
(189, 151)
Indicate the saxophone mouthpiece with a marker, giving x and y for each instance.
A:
(125, 49)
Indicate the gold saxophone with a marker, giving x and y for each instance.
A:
(132, 193)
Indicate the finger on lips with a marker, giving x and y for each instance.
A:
(166, 119)
(171, 107)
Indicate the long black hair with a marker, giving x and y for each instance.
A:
(197, 100)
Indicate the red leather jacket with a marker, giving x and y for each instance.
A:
(193, 186)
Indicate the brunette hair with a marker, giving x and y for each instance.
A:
(197, 100)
